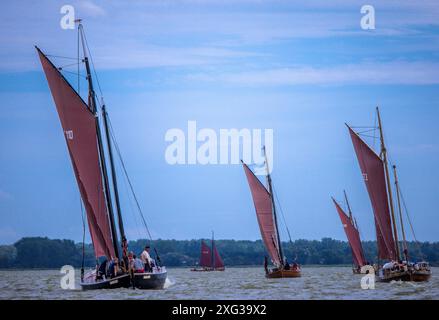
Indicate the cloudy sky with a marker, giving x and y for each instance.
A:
(302, 70)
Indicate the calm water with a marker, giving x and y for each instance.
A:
(234, 283)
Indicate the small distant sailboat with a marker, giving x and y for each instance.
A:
(375, 170)
(210, 259)
(82, 131)
(352, 233)
(263, 200)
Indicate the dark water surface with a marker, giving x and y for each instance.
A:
(234, 283)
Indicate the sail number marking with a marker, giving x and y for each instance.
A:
(69, 134)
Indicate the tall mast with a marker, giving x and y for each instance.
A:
(212, 252)
(406, 251)
(389, 188)
(93, 107)
(114, 180)
(270, 189)
(349, 207)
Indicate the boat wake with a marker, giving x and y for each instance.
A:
(168, 283)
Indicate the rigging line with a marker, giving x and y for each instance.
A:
(68, 65)
(410, 223)
(364, 127)
(366, 135)
(77, 55)
(83, 238)
(62, 57)
(282, 212)
(74, 73)
(369, 130)
(92, 62)
(132, 208)
(128, 179)
(375, 130)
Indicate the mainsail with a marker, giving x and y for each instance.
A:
(372, 168)
(264, 212)
(205, 256)
(353, 236)
(79, 126)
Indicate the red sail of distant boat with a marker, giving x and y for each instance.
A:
(205, 256)
(353, 236)
(264, 213)
(79, 127)
(372, 167)
(218, 261)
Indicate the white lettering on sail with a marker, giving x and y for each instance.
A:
(69, 134)
(365, 177)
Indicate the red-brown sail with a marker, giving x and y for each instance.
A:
(353, 236)
(79, 128)
(218, 261)
(372, 168)
(264, 213)
(205, 256)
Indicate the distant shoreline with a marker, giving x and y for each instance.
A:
(41, 253)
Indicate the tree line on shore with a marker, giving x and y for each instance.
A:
(41, 252)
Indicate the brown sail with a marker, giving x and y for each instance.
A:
(264, 212)
(372, 168)
(353, 236)
(79, 127)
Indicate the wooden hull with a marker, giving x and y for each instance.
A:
(283, 274)
(415, 276)
(148, 280)
(123, 281)
(420, 276)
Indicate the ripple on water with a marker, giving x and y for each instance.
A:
(234, 283)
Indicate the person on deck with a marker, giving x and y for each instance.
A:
(266, 264)
(102, 270)
(287, 265)
(139, 267)
(113, 268)
(131, 262)
(146, 259)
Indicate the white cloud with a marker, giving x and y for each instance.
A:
(90, 9)
(420, 73)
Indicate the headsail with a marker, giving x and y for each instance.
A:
(264, 212)
(218, 261)
(79, 127)
(372, 167)
(205, 256)
(353, 236)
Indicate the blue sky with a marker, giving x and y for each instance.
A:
(299, 69)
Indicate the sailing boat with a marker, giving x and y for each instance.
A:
(82, 131)
(210, 260)
(352, 233)
(375, 170)
(266, 214)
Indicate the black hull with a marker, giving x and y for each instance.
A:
(150, 280)
(123, 281)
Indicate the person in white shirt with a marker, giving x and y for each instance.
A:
(146, 259)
